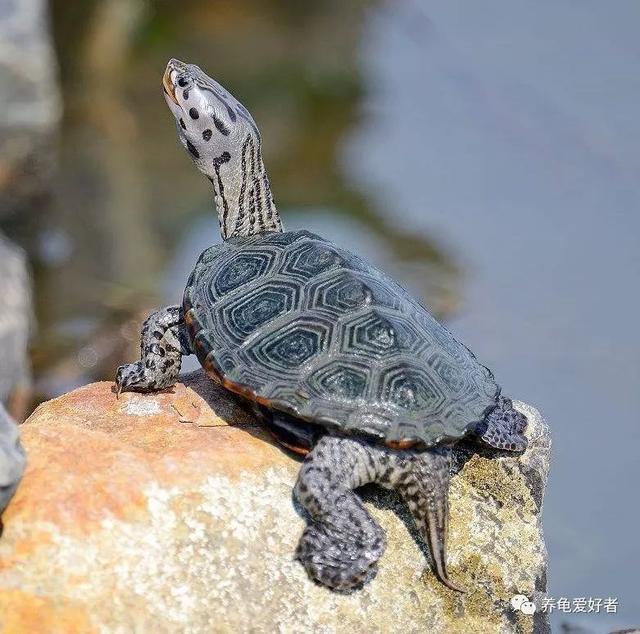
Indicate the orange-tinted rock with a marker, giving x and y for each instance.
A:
(172, 512)
(102, 452)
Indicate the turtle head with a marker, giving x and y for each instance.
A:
(224, 143)
(212, 125)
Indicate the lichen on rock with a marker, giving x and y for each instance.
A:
(172, 512)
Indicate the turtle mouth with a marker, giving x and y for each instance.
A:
(167, 84)
(173, 73)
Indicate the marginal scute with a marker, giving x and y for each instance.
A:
(226, 362)
(298, 324)
(288, 237)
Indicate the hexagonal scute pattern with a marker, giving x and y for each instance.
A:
(450, 375)
(293, 320)
(244, 314)
(242, 269)
(377, 334)
(342, 379)
(312, 257)
(412, 388)
(344, 292)
(287, 349)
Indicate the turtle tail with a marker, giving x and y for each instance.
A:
(425, 489)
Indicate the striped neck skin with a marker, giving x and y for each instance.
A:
(242, 192)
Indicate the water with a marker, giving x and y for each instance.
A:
(511, 131)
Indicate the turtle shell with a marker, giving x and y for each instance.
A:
(299, 325)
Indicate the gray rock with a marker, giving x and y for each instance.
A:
(15, 325)
(12, 458)
(29, 102)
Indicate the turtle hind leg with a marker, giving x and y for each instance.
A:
(163, 341)
(422, 479)
(503, 428)
(340, 547)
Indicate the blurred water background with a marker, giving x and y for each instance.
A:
(486, 154)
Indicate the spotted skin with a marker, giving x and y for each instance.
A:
(503, 428)
(224, 142)
(337, 359)
(163, 342)
(342, 544)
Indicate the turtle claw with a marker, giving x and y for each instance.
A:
(438, 552)
(131, 377)
(437, 515)
(162, 344)
(454, 586)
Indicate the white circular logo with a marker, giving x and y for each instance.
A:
(521, 603)
(517, 601)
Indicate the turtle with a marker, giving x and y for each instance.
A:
(338, 360)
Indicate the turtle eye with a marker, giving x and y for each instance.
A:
(183, 81)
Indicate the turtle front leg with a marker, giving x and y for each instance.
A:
(163, 341)
(341, 546)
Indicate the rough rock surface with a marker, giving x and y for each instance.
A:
(172, 512)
